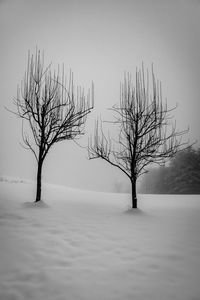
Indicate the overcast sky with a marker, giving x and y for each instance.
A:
(98, 40)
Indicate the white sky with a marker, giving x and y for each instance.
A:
(98, 40)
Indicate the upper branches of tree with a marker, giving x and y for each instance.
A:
(53, 107)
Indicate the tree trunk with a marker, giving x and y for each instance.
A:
(39, 179)
(134, 196)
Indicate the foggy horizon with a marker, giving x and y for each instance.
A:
(98, 41)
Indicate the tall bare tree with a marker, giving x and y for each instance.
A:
(53, 108)
(146, 133)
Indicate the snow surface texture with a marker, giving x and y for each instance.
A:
(89, 246)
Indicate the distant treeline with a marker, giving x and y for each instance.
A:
(181, 176)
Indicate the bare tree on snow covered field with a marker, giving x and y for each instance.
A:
(146, 133)
(54, 109)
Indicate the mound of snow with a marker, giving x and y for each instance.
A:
(89, 246)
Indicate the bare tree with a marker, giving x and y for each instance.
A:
(52, 108)
(146, 133)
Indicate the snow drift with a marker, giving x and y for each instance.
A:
(90, 246)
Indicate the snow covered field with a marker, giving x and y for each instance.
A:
(89, 246)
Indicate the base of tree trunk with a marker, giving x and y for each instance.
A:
(134, 202)
(37, 200)
(134, 194)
